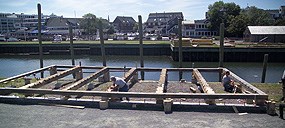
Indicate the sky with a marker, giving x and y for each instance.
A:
(191, 9)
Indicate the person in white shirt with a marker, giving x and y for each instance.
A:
(120, 85)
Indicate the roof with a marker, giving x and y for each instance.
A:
(262, 30)
(163, 17)
(56, 22)
(124, 19)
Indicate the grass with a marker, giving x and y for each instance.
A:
(274, 90)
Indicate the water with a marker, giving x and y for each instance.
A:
(251, 72)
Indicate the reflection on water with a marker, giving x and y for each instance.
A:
(13, 65)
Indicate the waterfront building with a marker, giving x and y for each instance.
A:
(123, 24)
(277, 13)
(12, 22)
(59, 26)
(196, 29)
(273, 34)
(163, 23)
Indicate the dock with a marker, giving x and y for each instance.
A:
(66, 82)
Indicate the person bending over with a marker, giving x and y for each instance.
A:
(228, 83)
(120, 85)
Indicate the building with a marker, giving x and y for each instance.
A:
(196, 29)
(124, 24)
(11, 22)
(60, 26)
(163, 23)
(273, 34)
(277, 13)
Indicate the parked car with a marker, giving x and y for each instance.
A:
(35, 40)
(11, 39)
(2, 38)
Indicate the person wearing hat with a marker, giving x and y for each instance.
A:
(120, 85)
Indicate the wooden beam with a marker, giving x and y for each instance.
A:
(26, 74)
(244, 83)
(132, 94)
(84, 81)
(129, 74)
(162, 81)
(205, 86)
(51, 78)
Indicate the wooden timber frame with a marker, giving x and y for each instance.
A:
(161, 94)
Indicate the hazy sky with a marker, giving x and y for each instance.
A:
(192, 9)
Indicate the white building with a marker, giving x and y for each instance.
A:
(196, 29)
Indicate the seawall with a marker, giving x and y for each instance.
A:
(201, 54)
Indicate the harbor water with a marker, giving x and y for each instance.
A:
(251, 72)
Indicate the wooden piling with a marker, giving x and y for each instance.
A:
(102, 43)
(265, 60)
(71, 44)
(180, 46)
(40, 38)
(283, 85)
(141, 45)
(221, 58)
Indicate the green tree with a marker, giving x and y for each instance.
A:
(280, 22)
(221, 12)
(257, 17)
(237, 25)
(89, 23)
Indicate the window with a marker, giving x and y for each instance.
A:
(187, 34)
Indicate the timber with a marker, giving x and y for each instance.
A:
(160, 94)
(162, 84)
(27, 74)
(244, 83)
(130, 74)
(205, 86)
(84, 81)
(51, 78)
(132, 94)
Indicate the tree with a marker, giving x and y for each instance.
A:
(257, 17)
(89, 23)
(237, 25)
(280, 22)
(221, 12)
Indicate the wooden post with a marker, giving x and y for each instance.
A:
(52, 70)
(264, 68)
(141, 45)
(283, 85)
(102, 42)
(71, 43)
(180, 46)
(40, 38)
(221, 60)
(167, 105)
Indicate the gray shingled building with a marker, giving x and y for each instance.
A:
(273, 34)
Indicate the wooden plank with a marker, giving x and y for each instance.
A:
(133, 94)
(205, 86)
(51, 78)
(129, 74)
(244, 83)
(162, 81)
(84, 81)
(26, 74)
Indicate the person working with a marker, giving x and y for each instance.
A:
(228, 83)
(120, 85)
